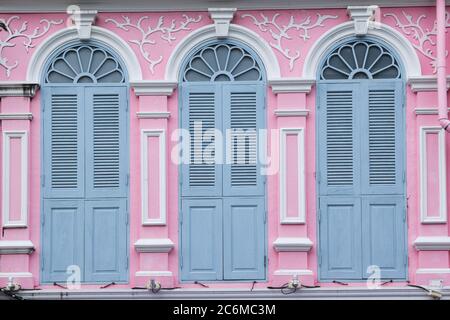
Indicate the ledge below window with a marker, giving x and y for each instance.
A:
(292, 244)
(16, 247)
(154, 245)
(432, 243)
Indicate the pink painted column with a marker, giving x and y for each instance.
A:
(15, 244)
(149, 183)
(292, 243)
(428, 211)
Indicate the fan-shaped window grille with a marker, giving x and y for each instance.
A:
(222, 62)
(360, 60)
(85, 64)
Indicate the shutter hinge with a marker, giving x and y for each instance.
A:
(181, 260)
(127, 217)
(43, 219)
(318, 176)
(43, 180)
(405, 211)
(265, 216)
(320, 258)
(42, 263)
(265, 261)
(406, 259)
(181, 177)
(404, 176)
(127, 262)
(127, 179)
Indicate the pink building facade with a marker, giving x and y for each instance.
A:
(152, 48)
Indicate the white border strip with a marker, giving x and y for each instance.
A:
(161, 134)
(7, 222)
(300, 218)
(424, 217)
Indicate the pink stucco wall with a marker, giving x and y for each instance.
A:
(170, 262)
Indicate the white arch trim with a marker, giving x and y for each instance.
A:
(236, 32)
(397, 41)
(38, 60)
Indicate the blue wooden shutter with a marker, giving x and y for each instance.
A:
(339, 178)
(340, 238)
(243, 116)
(201, 104)
(105, 141)
(106, 240)
(383, 227)
(244, 240)
(382, 172)
(63, 242)
(201, 255)
(63, 143)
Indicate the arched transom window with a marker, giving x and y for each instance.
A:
(360, 60)
(222, 62)
(85, 64)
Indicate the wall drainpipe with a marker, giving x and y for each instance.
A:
(441, 65)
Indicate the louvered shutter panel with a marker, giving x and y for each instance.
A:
(339, 125)
(381, 158)
(202, 176)
(63, 143)
(105, 134)
(242, 116)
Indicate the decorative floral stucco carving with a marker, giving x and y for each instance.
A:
(280, 32)
(424, 37)
(20, 32)
(166, 33)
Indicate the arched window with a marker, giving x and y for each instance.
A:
(85, 165)
(84, 64)
(222, 189)
(360, 60)
(222, 62)
(361, 153)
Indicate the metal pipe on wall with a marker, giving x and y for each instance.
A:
(441, 65)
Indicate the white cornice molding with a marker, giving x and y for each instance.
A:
(140, 6)
(432, 243)
(425, 83)
(362, 16)
(292, 244)
(291, 112)
(16, 247)
(153, 115)
(154, 245)
(222, 18)
(18, 89)
(153, 88)
(291, 85)
(83, 20)
(16, 116)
